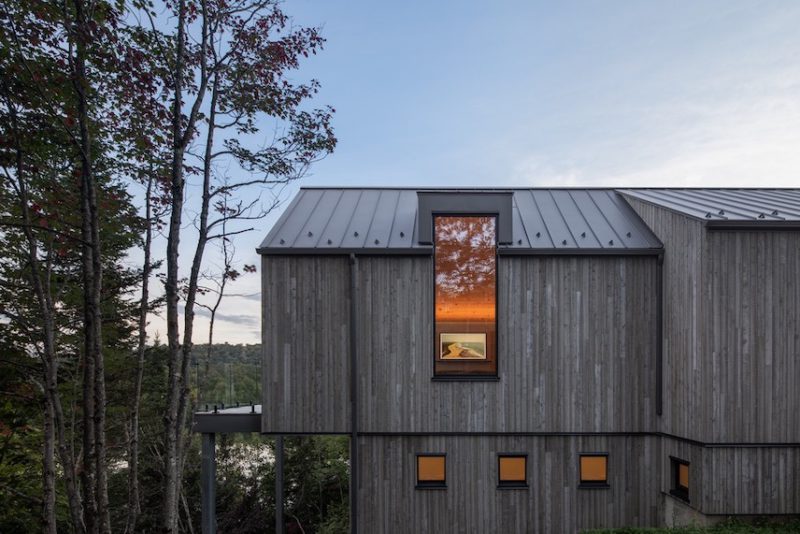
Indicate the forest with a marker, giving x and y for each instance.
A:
(138, 141)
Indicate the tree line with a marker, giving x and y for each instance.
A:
(158, 128)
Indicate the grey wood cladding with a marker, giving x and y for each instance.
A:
(731, 330)
(553, 502)
(306, 344)
(576, 348)
(736, 480)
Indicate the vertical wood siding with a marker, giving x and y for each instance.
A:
(684, 396)
(306, 344)
(576, 349)
(732, 330)
(737, 480)
(471, 502)
(752, 344)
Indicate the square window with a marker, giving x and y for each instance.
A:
(431, 470)
(512, 470)
(594, 470)
(680, 478)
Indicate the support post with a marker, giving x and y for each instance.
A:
(353, 395)
(208, 484)
(279, 526)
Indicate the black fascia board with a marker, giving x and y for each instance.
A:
(226, 423)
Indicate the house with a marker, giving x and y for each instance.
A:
(541, 360)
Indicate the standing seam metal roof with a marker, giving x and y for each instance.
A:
(752, 208)
(384, 221)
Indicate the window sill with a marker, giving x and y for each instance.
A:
(680, 495)
(431, 486)
(465, 378)
(511, 486)
(593, 485)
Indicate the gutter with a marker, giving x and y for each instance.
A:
(353, 396)
(660, 335)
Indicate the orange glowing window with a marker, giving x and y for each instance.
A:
(431, 470)
(512, 470)
(680, 478)
(594, 470)
(465, 274)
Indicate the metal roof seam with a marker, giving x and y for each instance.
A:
(669, 206)
(610, 195)
(300, 232)
(646, 232)
(515, 205)
(394, 218)
(722, 201)
(583, 216)
(544, 224)
(789, 209)
(327, 223)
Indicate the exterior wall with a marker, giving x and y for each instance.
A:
(389, 502)
(727, 480)
(752, 348)
(576, 349)
(686, 410)
(731, 330)
(306, 344)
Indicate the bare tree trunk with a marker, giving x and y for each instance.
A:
(194, 275)
(178, 384)
(172, 424)
(48, 471)
(96, 502)
(134, 506)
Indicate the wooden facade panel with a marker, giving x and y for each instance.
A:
(753, 342)
(685, 407)
(306, 344)
(553, 502)
(576, 348)
(731, 330)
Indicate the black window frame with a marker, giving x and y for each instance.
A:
(468, 377)
(512, 484)
(678, 490)
(430, 484)
(593, 484)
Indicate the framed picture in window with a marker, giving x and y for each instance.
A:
(463, 346)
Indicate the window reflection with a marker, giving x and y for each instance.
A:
(466, 288)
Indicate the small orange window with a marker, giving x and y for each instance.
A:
(512, 470)
(594, 470)
(680, 478)
(431, 470)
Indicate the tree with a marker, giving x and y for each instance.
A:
(235, 67)
(63, 94)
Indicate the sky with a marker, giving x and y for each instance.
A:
(506, 93)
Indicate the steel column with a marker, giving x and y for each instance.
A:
(279, 526)
(208, 484)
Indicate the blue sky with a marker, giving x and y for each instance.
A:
(548, 94)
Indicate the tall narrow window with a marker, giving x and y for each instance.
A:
(465, 258)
